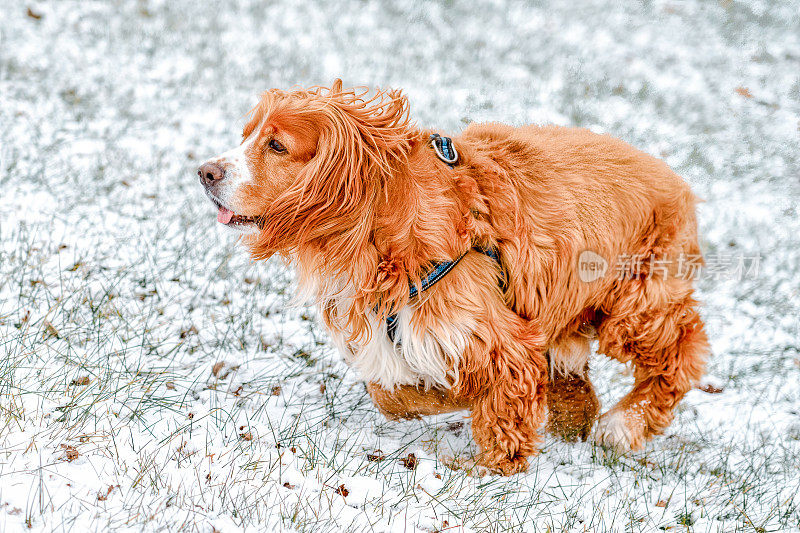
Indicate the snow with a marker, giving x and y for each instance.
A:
(119, 293)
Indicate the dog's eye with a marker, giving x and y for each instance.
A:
(276, 146)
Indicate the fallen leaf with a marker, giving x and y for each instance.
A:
(169, 385)
(276, 390)
(50, 329)
(246, 436)
(409, 461)
(70, 452)
(376, 456)
(81, 381)
(188, 331)
(288, 485)
(342, 490)
(744, 91)
(33, 14)
(710, 389)
(217, 368)
(661, 503)
(103, 496)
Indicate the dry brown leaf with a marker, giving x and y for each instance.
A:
(217, 368)
(744, 91)
(188, 331)
(70, 452)
(710, 389)
(376, 456)
(661, 503)
(246, 436)
(81, 381)
(410, 461)
(103, 495)
(342, 490)
(50, 329)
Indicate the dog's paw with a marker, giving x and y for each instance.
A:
(468, 465)
(504, 466)
(617, 430)
(481, 466)
(570, 426)
(567, 431)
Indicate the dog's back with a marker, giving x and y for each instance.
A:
(580, 192)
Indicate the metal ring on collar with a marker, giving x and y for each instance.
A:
(436, 142)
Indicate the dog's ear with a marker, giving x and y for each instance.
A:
(337, 86)
(330, 206)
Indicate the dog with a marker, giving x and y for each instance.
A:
(474, 272)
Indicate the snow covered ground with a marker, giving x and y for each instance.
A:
(152, 377)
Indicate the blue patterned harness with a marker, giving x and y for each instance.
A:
(443, 146)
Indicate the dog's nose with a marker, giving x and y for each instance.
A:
(210, 173)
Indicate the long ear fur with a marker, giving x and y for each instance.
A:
(329, 209)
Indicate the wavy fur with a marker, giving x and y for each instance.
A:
(362, 206)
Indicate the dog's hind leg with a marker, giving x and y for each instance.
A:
(572, 405)
(654, 324)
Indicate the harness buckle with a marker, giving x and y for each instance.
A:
(443, 147)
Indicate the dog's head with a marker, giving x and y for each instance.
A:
(310, 167)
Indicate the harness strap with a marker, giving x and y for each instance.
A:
(437, 273)
(443, 146)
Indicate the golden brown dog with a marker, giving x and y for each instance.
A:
(592, 238)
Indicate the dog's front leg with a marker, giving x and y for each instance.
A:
(509, 410)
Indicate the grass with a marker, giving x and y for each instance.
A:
(152, 378)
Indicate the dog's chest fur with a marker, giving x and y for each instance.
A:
(421, 353)
(424, 351)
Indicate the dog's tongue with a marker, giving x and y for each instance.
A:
(224, 216)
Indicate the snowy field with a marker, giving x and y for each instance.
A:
(153, 378)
